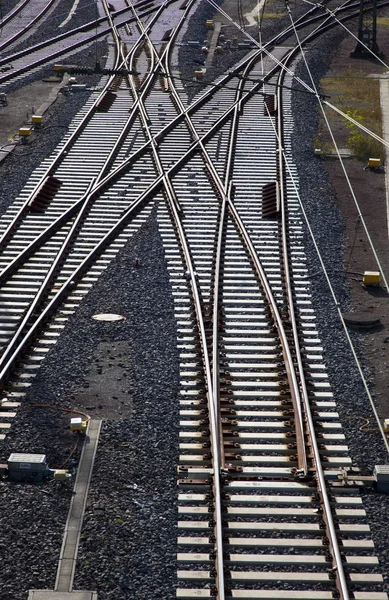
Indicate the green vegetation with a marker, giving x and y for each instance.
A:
(362, 145)
(358, 96)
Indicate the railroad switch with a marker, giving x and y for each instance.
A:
(24, 132)
(37, 121)
(379, 480)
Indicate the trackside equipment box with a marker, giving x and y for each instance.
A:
(381, 474)
(27, 467)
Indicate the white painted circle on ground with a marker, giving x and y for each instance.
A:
(108, 317)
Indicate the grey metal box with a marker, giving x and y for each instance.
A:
(20, 461)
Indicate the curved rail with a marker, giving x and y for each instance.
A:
(22, 32)
(337, 563)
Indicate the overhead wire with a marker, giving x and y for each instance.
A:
(332, 291)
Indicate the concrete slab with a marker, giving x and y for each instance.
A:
(52, 595)
(68, 556)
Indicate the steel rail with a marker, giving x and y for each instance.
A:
(13, 12)
(216, 324)
(45, 285)
(169, 190)
(16, 347)
(288, 359)
(214, 424)
(68, 34)
(192, 275)
(59, 53)
(291, 375)
(213, 420)
(203, 337)
(197, 104)
(57, 160)
(286, 350)
(112, 176)
(21, 32)
(294, 387)
(83, 204)
(103, 182)
(337, 564)
(303, 398)
(69, 213)
(7, 361)
(68, 285)
(127, 163)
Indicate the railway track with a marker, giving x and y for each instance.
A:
(18, 64)
(262, 510)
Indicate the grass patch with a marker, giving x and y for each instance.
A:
(358, 96)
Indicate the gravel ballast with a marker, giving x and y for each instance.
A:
(128, 541)
(366, 448)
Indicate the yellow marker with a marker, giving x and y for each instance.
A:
(371, 278)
